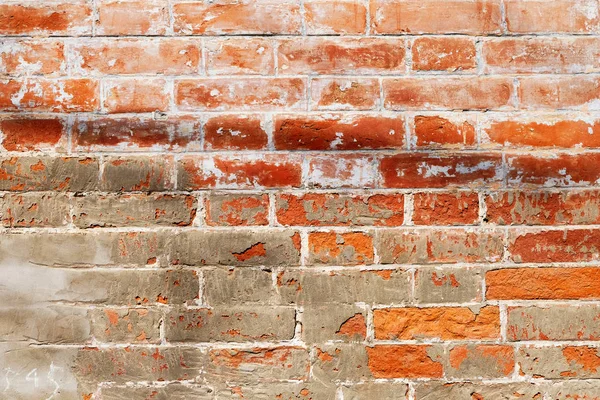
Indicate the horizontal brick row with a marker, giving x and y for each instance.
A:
(312, 17)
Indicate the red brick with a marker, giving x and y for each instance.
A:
(168, 56)
(32, 57)
(459, 208)
(543, 208)
(338, 132)
(574, 92)
(551, 131)
(432, 131)
(270, 171)
(62, 18)
(344, 94)
(234, 132)
(445, 323)
(316, 209)
(237, 210)
(341, 56)
(353, 171)
(543, 283)
(136, 95)
(21, 133)
(239, 56)
(130, 134)
(541, 55)
(126, 17)
(448, 54)
(573, 245)
(331, 248)
(439, 171)
(554, 169)
(231, 17)
(454, 93)
(39, 94)
(254, 94)
(404, 361)
(339, 17)
(435, 16)
(563, 16)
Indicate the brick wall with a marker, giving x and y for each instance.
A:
(299, 199)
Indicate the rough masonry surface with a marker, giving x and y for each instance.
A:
(299, 199)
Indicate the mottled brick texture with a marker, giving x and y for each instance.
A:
(300, 199)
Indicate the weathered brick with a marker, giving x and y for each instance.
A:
(557, 322)
(279, 390)
(126, 325)
(132, 134)
(480, 361)
(340, 17)
(239, 56)
(226, 17)
(347, 171)
(431, 170)
(325, 322)
(370, 390)
(132, 17)
(230, 324)
(340, 362)
(451, 16)
(112, 210)
(445, 323)
(59, 174)
(458, 208)
(548, 170)
(555, 246)
(448, 285)
(410, 246)
(572, 389)
(346, 286)
(32, 57)
(251, 172)
(21, 133)
(338, 132)
(137, 174)
(543, 207)
(251, 94)
(235, 132)
(449, 54)
(34, 210)
(316, 209)
(344, 94)
(237, 209)
(568, 16)
(258, 364)
(543, 283)
(171, 391)
(406, 361)
(238, 286)
(504, 391)
(243, 247)
(41, 19)
(577, 92)
(446, 93)
(340, 248)
(135, 95)
(444, 131)
(559, 362)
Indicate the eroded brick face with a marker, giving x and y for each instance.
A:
(300, 199)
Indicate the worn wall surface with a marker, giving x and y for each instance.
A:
(299, 199)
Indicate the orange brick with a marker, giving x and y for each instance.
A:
(335, 17)
(563, 16)
(541, 55)
(405, 361)
(341, 132)
(543, 283)
(62, 18)
(235, 132)
(125, 17)
(448, 93)
(240, 94)
(332, 248)
(136, 95)
(341, 55)
(445, 323)
(32, 57)
(435, 16)
(53, 95)
(232, 17)
(240, 56)
(447, 131)
(344, 94)
(449, 54)
(575, 92)
(459, 208)
(553, 169)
